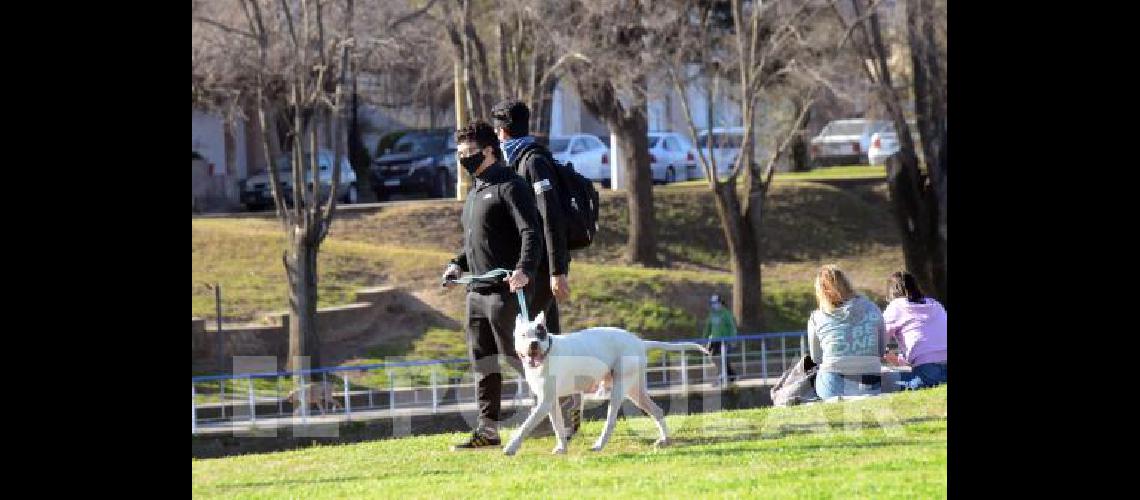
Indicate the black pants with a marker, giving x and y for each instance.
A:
(490, 337)
(715, 347)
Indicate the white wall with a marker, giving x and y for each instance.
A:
(208, 139)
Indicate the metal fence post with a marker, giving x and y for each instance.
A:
(665, 368)
(222, 399)
(347, 399)
(685, 369)
(371, 403)
(434, 392)
(783, 354)
(391, 393)
(764, 358)
(193, 410)
(252, 405)
(743, 357)
(280, 400)
(304, 400)
(723, 362)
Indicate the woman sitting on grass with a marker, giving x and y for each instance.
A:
(846, 337)
(919, 324)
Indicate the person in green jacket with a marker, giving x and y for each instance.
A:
(720, 324)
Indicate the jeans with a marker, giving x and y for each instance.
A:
(831, 384)
(931, 374)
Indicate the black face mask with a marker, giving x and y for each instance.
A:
(471, 163)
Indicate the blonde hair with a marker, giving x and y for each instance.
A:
(832, 288)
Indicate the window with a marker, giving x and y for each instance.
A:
(653, 142)
(559, 145)
(596, 143)
(577, 147)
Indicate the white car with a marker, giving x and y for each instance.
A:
(587, 153)
(846, 141)
(885, 144)
(726, 147)
(256, 193)
(671, 157)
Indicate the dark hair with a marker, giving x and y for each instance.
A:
(513, 115)
(904, 284)
(481, 133)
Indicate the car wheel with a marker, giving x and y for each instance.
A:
(442, 181)
(351, 196)
(670, 175)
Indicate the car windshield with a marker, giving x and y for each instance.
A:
(722, 141)
(285, 162)
(559, 145)
(419, 142)
(844, 128)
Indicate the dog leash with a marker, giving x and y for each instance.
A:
(493, 276)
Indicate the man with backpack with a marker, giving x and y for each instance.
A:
(533, 162)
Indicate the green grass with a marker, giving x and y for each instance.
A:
(892, 446)
(843, 172)
(806, 224)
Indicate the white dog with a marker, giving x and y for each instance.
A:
(562, 365)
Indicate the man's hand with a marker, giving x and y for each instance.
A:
(517, 280)
(560, 285)
(452, 272)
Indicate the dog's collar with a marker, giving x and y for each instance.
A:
(549, 347)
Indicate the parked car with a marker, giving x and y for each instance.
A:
(884, 144)
(421, 161)
(256, 193)
(589, 155)
(727, 144)
(671, 157)
(845, 141)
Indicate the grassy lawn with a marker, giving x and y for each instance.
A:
(806, 224)
(843, 172)
(892, 446)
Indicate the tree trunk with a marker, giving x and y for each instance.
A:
(801, 160)
(358, 152)
(930, 104)
(301, 268)
(744, 257)
(631, 128)
(634, 144)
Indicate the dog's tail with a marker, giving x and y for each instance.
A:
(679, 346)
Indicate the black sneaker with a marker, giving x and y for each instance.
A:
(479, 440)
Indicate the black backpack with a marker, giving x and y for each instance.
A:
(578, 198)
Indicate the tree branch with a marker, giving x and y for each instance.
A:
(225, 28)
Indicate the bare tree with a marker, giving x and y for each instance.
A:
(603, 49)
(289, 57)
(919, 197)
(762, 47)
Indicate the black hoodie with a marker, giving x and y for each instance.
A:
(500, 226)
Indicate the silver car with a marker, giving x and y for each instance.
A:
(256, 193)
(671, 157)
(846, 142)
(589, 155)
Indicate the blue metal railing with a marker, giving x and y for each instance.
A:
(664, 380)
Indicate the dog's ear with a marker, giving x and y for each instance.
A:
(541, 318)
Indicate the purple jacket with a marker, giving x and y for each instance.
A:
(919, 328)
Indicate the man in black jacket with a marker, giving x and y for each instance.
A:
(532, 161)
(500, 230)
